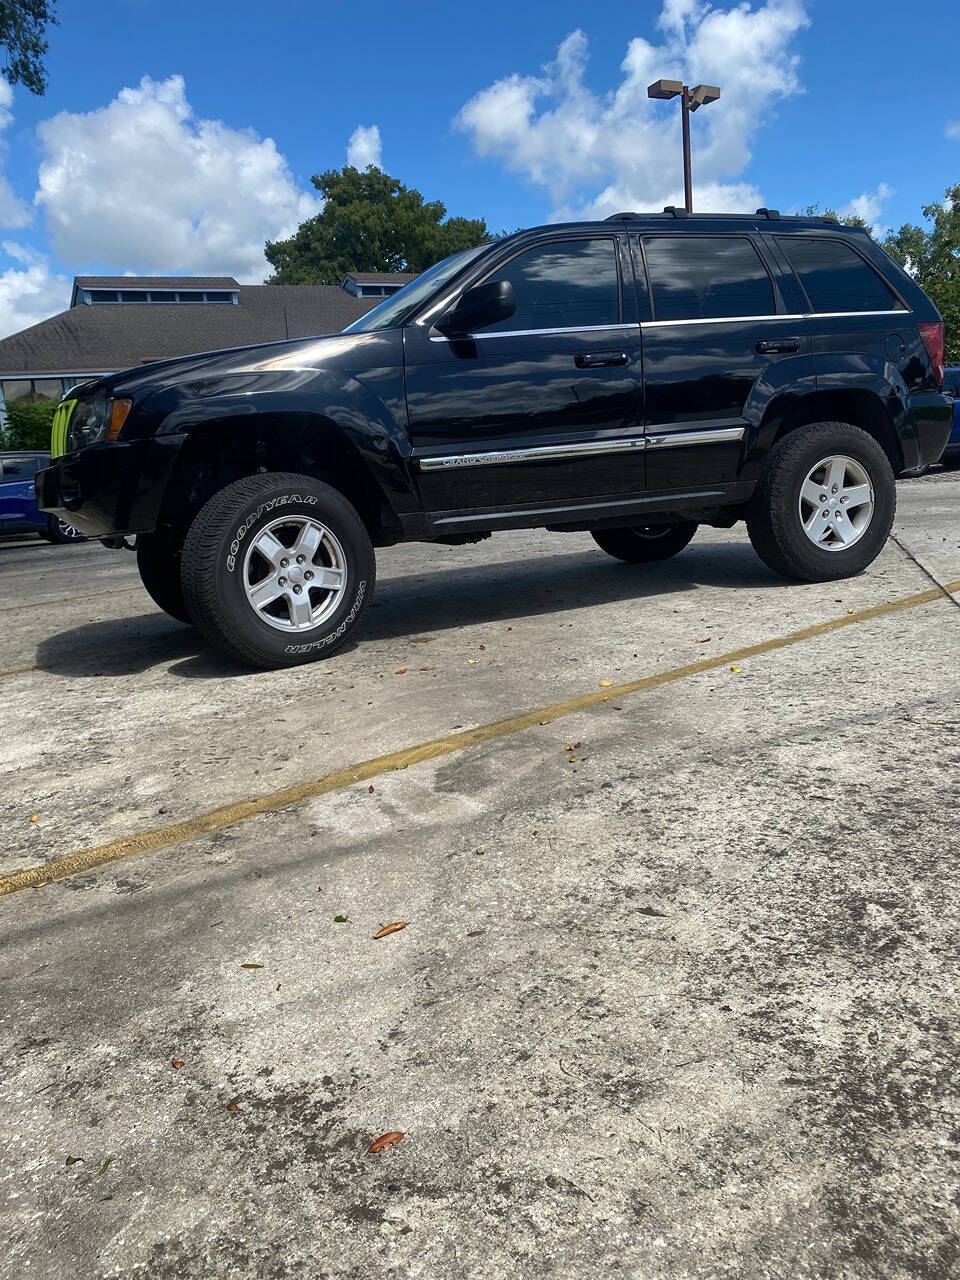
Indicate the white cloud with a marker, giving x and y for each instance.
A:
(869, 206)
(599, 153)
(144, 185)
(364, 146)
(29, 291)
(953, 129)
(13, 211)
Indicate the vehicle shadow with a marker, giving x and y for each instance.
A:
(435, 600)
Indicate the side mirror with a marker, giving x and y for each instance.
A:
(482, 305)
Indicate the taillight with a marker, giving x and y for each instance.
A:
(932, 334)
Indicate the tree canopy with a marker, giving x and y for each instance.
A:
(932, 256)
(23, 24)
(369, 222)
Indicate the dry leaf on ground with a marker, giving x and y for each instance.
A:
(251, 964)
(176, 1063)
(605, 684)
(390, 928)
(385, 1142)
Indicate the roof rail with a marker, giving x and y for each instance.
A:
(674, 211)
(615, 217)
(768, 213)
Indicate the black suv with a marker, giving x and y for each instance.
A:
(634, 378)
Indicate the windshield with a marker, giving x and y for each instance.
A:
(393, 311)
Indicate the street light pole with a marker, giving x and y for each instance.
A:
(687, 163)
(690, 100)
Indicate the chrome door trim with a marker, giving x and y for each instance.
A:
(535, 453)
(678, 439)
(586, 448)
(794, 315)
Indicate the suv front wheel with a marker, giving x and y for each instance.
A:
(825, 503)
(277, 569)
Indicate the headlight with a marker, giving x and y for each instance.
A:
(98, 418)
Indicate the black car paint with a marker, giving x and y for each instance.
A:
(399, 397)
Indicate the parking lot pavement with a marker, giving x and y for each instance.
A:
(676, 995)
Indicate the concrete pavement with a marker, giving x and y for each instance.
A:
(677, 992)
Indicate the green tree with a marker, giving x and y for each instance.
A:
(850, 220)
(28, 424)
(369, 222)
(932, 256)
(23, 24)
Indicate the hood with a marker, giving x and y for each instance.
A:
(345, 348)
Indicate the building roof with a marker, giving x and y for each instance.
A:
(380, 277)
(156, 282)
(102, 339)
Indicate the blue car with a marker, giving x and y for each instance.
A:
(951, 385)
(19, 512)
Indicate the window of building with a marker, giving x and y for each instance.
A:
(219, 296)
(707, 278)
(571, 284)
(103, 295)
(184, 296)
(33, 389)
(835, 277)
(162, 295)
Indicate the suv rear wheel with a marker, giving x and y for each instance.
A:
(643, 543)
(277, 569)
(824, 506)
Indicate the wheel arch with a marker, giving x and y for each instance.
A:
(861, 407)
(217, 451)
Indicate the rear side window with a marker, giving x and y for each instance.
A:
(704, 278)
(19, 468)
(572, 284)
(835, 277)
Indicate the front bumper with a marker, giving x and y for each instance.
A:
(110, 489)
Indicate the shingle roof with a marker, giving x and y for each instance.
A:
(380, 277)
(156, 282)
(100, 339)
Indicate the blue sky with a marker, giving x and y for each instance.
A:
(521, 113)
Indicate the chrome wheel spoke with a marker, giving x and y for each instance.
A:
(836, 474)
(857, 495)
(811, 492)
(301, 612)
(309, 542)
(816, 527)
(265, 592)
(268, 546)
(328, 579)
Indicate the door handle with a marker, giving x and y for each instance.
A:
(775, 346)
(600, 359)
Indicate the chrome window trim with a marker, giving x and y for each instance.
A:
(664, 324)
(793, 315)
(532, 333)
(586, 448)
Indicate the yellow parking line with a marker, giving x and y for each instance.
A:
(232, 815)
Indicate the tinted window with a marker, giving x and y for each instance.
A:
(162, 295)
(572, 284)
(835, 277)
(700, 278)
(19, 469)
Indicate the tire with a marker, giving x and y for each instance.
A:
(645, 543)
(778, 512)
(60, 532)
(237, 543)
(159, 567)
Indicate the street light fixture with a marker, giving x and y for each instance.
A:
(690, 100)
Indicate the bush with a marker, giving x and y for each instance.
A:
(29, 424)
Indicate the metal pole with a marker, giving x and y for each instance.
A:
(687, 176)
